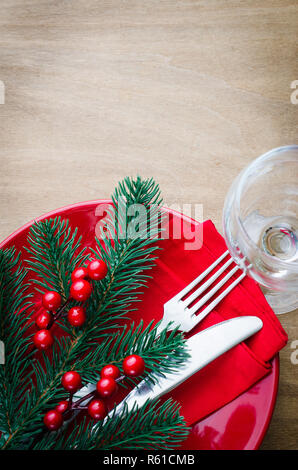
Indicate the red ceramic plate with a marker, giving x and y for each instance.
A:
(242, 423)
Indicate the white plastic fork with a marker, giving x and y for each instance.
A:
(183, 317)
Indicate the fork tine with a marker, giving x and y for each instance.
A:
(218, 299)
(211, 293)
(206, 284)
(190, 286)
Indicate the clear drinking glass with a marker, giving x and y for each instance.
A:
(260, 222)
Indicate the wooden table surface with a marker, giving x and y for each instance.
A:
(188, 92)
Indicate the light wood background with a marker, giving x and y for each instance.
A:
(188, 92)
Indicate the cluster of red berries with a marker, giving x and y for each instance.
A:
(80, 290)
(133, 366)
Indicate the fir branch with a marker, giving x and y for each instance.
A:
(14, 306)
(157, 352)
(164, 353)
(55, 250)
(154, 426)
(151, 427)
(54, 253)
(129, 259)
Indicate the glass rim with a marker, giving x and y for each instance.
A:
(242, 177)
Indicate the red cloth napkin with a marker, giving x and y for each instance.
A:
(238, 369)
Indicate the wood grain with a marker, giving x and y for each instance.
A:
(188, 92)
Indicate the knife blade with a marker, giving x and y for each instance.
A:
(203, 348)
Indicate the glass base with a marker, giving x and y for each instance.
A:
(281, 302)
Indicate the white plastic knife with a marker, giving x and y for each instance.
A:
(203, 348)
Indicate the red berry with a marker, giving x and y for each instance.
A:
(97, 269)
(110, 371)
(79, 273)
(133, 365)
(53, 420)
(71, 381)
(43, 339)
(43, 320)
(76, 316)
(62, 406)
(106, 387)
(80, 290)
(96, 409)
(51, 300)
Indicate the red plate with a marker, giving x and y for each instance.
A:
(241, 424)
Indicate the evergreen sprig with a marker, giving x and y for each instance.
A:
(14, 316)
(154, 426)
(128, 255)
(55, 250)
(128, 247)
(157, 352)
